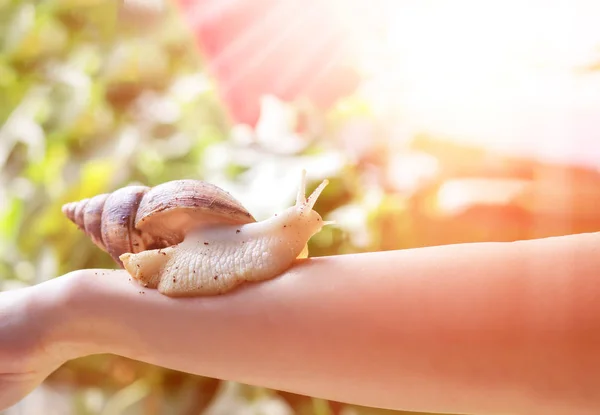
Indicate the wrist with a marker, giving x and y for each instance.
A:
(64, 305)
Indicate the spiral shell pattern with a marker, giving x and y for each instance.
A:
(133, 219)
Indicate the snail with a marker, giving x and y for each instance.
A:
(191, 238)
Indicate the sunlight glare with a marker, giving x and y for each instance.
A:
(503, 74)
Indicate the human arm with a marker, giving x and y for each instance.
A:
(472, 328)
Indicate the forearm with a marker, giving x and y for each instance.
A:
(474, 328)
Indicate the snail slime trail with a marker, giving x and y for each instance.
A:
(201, 241)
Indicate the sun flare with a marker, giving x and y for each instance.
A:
(500, 73)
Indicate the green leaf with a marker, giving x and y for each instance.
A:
(10, 218)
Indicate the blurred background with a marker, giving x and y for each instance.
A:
(436, 122)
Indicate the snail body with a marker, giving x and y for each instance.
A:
(214, 246)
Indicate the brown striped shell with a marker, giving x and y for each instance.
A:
(137, 218)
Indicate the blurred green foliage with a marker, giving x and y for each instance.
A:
(74, 123)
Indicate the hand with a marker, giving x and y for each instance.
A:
(24, 363)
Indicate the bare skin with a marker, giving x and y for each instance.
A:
(474, 328)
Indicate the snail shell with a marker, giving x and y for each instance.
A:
(133, 219)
